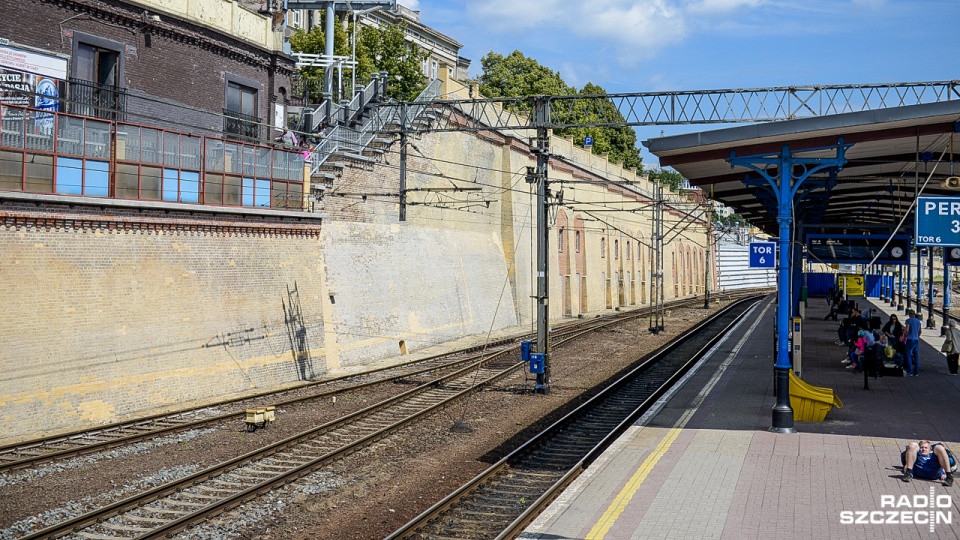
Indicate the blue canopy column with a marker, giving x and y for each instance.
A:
(785, 173)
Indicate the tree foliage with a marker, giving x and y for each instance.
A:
(667, 177)
(388, 51)
(731, 221)
(378, 49)
(515, 75)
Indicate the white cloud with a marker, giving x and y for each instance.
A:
(721, 6)
(412, 4)
(634, 29)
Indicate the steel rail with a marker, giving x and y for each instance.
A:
(546, 483)
(44, 450)
(451, 387)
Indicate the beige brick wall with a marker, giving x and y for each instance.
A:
(416, 284)
(99, 323)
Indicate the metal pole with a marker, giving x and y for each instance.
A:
(782, 412)
(328, 49)
(541, 118)
(931, 323)
(403, 161)
(706, 261)
(900, 287)
(909, 277)
(946, 293)
(919, 283)
(353, 56)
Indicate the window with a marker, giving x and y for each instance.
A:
(240, 109)
(560, 234)
(95, 87)
(629, 253)
(616, 249)
(434, 73)
(576, 240)
(603, 247)
(82, 177)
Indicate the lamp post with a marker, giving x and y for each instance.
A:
(355, 15)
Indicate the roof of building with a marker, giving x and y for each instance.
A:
(892, 152)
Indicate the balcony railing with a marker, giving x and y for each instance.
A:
(60, 153)
(241, 126)
(97, 100)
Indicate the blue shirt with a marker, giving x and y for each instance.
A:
(927, 467)
(913, 328)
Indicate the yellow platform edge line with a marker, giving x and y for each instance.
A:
(620, 502)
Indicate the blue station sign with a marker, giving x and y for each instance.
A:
(762, 255)
(938, 221)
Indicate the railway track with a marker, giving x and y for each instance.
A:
(34, 452)
(500, 502)
(172, 507)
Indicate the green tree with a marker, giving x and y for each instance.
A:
(619, 142)
(515, 75)
(378, 49)
(388, 51)
(667, 177)
(315, 42)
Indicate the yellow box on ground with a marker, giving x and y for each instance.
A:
(811, 403)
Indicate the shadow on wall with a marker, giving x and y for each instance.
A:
(297, 332)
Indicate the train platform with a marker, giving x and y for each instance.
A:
(703, 463)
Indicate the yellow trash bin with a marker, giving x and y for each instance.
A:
(811, 403)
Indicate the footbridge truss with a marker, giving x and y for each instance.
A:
(680, 107)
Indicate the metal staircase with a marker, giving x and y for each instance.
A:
(354, 133)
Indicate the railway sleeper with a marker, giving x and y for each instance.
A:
(201, 496)
(123, 527)
(525, 482)
(181, 502)
(95, 536)
(483, 501)
(159, 510)
(461, 532)
(522, 471)
(214, 489)
(236, 485)
(565, 453)
(243, 478)
(484, 517)
(510, 494)
(295, 463)
(274, 468)
(146, 519)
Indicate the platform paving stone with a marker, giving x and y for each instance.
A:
(706, 466)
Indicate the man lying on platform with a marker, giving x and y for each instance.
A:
(921, 460)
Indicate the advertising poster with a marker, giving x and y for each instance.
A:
(29, 79)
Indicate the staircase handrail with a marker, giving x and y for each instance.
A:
(357, 139)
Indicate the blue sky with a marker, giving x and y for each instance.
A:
(660, 45)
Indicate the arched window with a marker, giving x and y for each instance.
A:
(560, 233)
(576, 240)
(603, 247)
(629, 252)
(616, 249)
